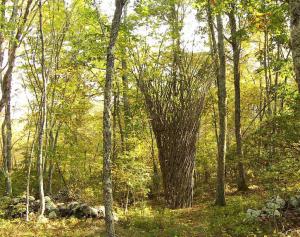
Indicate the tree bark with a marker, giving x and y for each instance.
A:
(7, 144)
(53, 145)
(125, 88)
(236, 44)
(43, 113)
(29, 157)
(107, 180)
(295, 39)
(222, 106)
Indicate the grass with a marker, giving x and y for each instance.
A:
(204, 219)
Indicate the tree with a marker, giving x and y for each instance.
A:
(236, 49)
(43, 115)
(222, 106)
(295, 39)
(107, 180)
(14, 40)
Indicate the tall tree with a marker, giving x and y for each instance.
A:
(222, 106)
(14, 39)
(236, 49)
(43, 113)
(7, 143)
(6, 125)
(295, 39)
(107, 179)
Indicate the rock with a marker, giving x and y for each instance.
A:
(48, 199)
(52, 215)
(16, 207)
(18, 210)
(35, 205)
(42, 220)
(115, 216)
(23, 198)
(50, 206)
(272, 206)
(88, 211)
(73, 206)
(253, 214)
(31, 198)
(278, 200)
(276, 203)
(60, 204)
(276, 213)
(294, 202)
(63, 210)
(72, 209)
(15, 201)
(101, 211)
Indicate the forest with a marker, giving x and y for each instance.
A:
(150, 118)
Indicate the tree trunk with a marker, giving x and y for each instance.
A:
(295, 39)
(43, 113)
(29, 155)
(7, 146)
(235, 43)
(222, 106)
(52, 157)
(114, 128)
(125, 88)
(107, 181)
(121, 130)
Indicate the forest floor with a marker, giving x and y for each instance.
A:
(204, 219)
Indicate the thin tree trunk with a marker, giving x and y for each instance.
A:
(107, 180)
(214, 51)
(267, 71)
(43, 114)
(295, 39)
(29, 174)
(114, 127)
(118, 113)
(236, 44)
(125, 88)
(222, 106)
(51, 165)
